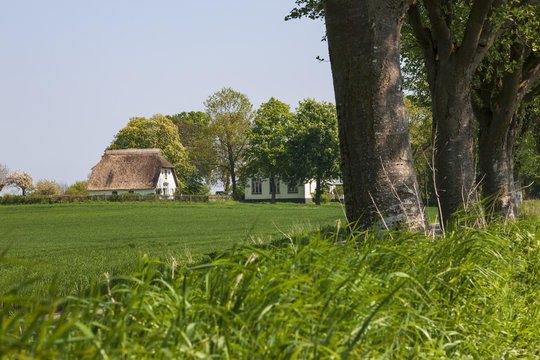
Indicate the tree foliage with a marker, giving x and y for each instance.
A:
(198, 139)
(48, 187)
(22, 180)
(78, 188)
(156, 132)
(420, 124)
(230, 115)
(267, 152)
(313, 145)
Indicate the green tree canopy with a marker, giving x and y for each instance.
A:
(198, 139)
(79, 188)
(267, 152)
(313, 145)
(156, 132)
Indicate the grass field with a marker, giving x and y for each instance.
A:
(471, 294)
(76, 242)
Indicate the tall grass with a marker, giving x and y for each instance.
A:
(472, 294)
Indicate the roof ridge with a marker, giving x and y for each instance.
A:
(133, 151)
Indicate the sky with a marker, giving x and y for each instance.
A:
(72, 73)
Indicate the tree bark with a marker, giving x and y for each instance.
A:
(232, 170)
(378, 173)
(495, 150)
(453, 139)
(495, 106)
(450, 69)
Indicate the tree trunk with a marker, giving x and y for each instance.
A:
(379, 179)
(495, 105)
(495, 150)
(273, 189)
(453, 138)
(451, 58)
(232, 170)
(318, 191)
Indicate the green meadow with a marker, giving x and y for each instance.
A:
(71, 244)
(473, 293)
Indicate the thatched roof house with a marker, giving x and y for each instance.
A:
(142, 171)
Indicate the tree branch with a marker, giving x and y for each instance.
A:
(440, 30)
(530, 73)
(480, 33)
(421, 32)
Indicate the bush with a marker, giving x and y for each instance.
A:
(130, 197)
(79, 188)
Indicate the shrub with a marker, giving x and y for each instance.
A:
(79, 188)
(129, 197)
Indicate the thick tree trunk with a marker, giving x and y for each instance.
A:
(495, 106)
(450, 66)
(378, 174)
(453, 139)
(495, 150)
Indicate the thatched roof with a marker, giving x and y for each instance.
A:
(132, 169)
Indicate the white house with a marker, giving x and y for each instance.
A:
(259, 190)
(138, 171)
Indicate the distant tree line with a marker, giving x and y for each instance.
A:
(230, 142)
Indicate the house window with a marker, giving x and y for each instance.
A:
(131, 191)
(292, 189)
(256, 186)
(166, 172)
(115, 192)
(276, 184)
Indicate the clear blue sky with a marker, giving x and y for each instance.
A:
(72, 73)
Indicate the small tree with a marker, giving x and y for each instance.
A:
(48, 187)
(230, 117)
(22, 180)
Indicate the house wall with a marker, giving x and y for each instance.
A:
(303, 194)
(110, 192)
(166, 182)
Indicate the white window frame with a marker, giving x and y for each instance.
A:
(256, 187)
(292, 189)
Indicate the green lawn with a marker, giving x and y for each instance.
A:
(76, 242)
